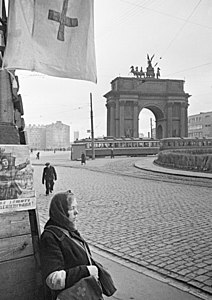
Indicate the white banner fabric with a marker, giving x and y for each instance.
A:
(53, 37)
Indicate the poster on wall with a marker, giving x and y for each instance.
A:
(16, 179)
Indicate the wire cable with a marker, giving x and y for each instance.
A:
(181, 28)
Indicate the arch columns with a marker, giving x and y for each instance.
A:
(169, 119)
(111, 122)
(184, 120)
(112, 118)
(166, 98)
(108, 119)
(121, 118)
(135, 119)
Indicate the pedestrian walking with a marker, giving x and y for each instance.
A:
(48, 177)
(65, 256)
(83, 159)
(111, 153)
(38, 155)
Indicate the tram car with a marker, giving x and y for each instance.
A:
(120, 147)
(185, 143)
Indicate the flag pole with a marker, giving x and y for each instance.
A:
(92, 131)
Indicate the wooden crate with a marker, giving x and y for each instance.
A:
(19, 256)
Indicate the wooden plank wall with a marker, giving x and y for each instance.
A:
(19, 256)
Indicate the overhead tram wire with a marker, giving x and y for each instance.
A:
(126, 16)
(181, 28)
(192, 68)
(133, 11)
(166, 14)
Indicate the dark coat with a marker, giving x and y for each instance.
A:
(49, 174)
(83, 158)
(59, 252)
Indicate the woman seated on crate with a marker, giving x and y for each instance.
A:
(65, 256)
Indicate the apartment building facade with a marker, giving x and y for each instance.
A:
(200, 125)
(36, 136)
(52, 136)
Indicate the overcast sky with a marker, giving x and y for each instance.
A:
(178, 32)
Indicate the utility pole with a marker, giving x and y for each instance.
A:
(92, 132)
(151, 134)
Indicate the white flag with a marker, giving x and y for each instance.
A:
(54, 37)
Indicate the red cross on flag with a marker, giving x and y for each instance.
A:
(53, 37)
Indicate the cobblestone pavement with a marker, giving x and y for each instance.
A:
(163, 226)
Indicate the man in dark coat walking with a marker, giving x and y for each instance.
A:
(49, 176)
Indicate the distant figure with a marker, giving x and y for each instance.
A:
(111, 153)
(158, 73)
(48, 177)
(38, 155)
(83, 159)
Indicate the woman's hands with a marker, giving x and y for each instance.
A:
(56, 280)
(93, 270)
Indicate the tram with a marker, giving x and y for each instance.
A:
(185, 143)
(121, 147)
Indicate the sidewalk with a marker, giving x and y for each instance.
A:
(148, 164)
(133, 281)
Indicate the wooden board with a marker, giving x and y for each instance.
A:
(18, 279)
(15, 247)
(19, 256)
(13, 224)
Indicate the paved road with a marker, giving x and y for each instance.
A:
(164, 226)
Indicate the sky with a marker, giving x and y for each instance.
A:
(178, 32)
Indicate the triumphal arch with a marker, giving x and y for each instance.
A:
(166, 99)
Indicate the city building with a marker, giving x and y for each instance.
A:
(53, 136)
(36, 136)
(57, 135)
(200, 125)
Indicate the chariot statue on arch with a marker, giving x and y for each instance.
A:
(150, 72)
(135, 72)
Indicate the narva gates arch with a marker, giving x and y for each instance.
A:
(164, 97)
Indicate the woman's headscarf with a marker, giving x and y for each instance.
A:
(58, 211)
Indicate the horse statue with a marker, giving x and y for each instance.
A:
(135, 72)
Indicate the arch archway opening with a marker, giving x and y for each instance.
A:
(153, 118)
(147, 124)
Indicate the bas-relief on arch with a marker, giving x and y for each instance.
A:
(165, 98)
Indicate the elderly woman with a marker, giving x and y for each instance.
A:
(64, 259)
